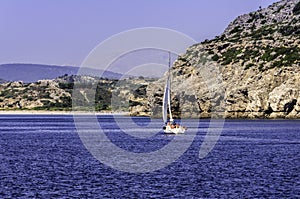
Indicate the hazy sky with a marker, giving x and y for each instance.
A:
(63, 32)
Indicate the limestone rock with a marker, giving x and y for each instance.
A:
(251, 71)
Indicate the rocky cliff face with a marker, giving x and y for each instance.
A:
(251, 71)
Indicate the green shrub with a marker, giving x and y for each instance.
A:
(296, 9)
(249, 66)
(46, 102)
(280, 8)
(261, 68)
(101, 107)
(277, 63)
(289, 30)
(44, 95)
(140, 91)
(66, 101)
(103, 96)
(66, 85)
(264, 31)
(267, 55)
(4, 93)
(249, 53)
(230, 55)
(134, 103)
(30, 98)
(290, 56)
(215, 57)
(250, 20)
(210, 52)
(236, 29)
(8, 94)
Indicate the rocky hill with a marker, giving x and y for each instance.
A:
(58, 94)
(252, 70)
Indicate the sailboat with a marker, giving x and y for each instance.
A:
(170, 126)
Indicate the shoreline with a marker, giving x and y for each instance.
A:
(43, 112)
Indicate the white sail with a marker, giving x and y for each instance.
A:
(166, 107)
(169, 97)
(166, 101)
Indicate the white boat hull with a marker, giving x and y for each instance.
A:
(179, 130)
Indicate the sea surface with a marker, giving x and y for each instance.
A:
(42, 156)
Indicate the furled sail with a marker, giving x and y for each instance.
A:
(167, 96)
(166, 101)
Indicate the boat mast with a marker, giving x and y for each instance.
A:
(170, 80)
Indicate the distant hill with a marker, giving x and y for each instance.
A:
(34, 72)
(2, 81)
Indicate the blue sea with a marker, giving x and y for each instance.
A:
(42, 156)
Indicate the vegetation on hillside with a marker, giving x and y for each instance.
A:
(263, 40)
(58, 94)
